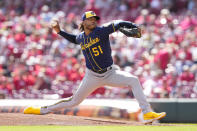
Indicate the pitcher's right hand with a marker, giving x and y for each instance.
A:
(55, 25)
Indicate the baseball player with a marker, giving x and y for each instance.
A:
(100, 71)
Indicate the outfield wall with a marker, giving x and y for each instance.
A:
(178, 110)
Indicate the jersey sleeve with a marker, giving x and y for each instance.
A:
(115, 25)
(69, 37)
(108, 28)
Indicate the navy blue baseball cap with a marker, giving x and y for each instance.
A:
(90, 14)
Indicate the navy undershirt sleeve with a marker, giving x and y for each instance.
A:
(69, 37)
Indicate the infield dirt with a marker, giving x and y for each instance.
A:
(67, 120)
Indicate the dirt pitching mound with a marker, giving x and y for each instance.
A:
(8, 119)
(53, 119)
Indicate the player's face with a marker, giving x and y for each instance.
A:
(90, 23)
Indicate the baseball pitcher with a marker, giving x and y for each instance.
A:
(100, 70)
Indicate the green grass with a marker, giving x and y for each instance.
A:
(99, 128)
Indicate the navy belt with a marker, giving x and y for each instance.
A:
(103, 70)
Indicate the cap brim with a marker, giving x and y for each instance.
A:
(97, 17)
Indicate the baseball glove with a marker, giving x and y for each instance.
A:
(131, 32)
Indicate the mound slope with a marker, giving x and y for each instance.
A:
(53, 119)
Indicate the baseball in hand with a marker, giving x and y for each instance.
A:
(54, 23)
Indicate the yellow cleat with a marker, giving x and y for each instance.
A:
(153, 116)
(32, 110)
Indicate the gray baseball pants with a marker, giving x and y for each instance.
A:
(91, 81)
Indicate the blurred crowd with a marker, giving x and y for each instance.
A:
(37, 63)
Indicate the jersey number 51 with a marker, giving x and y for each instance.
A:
(97, 50)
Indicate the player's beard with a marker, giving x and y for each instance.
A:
(91, 27)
